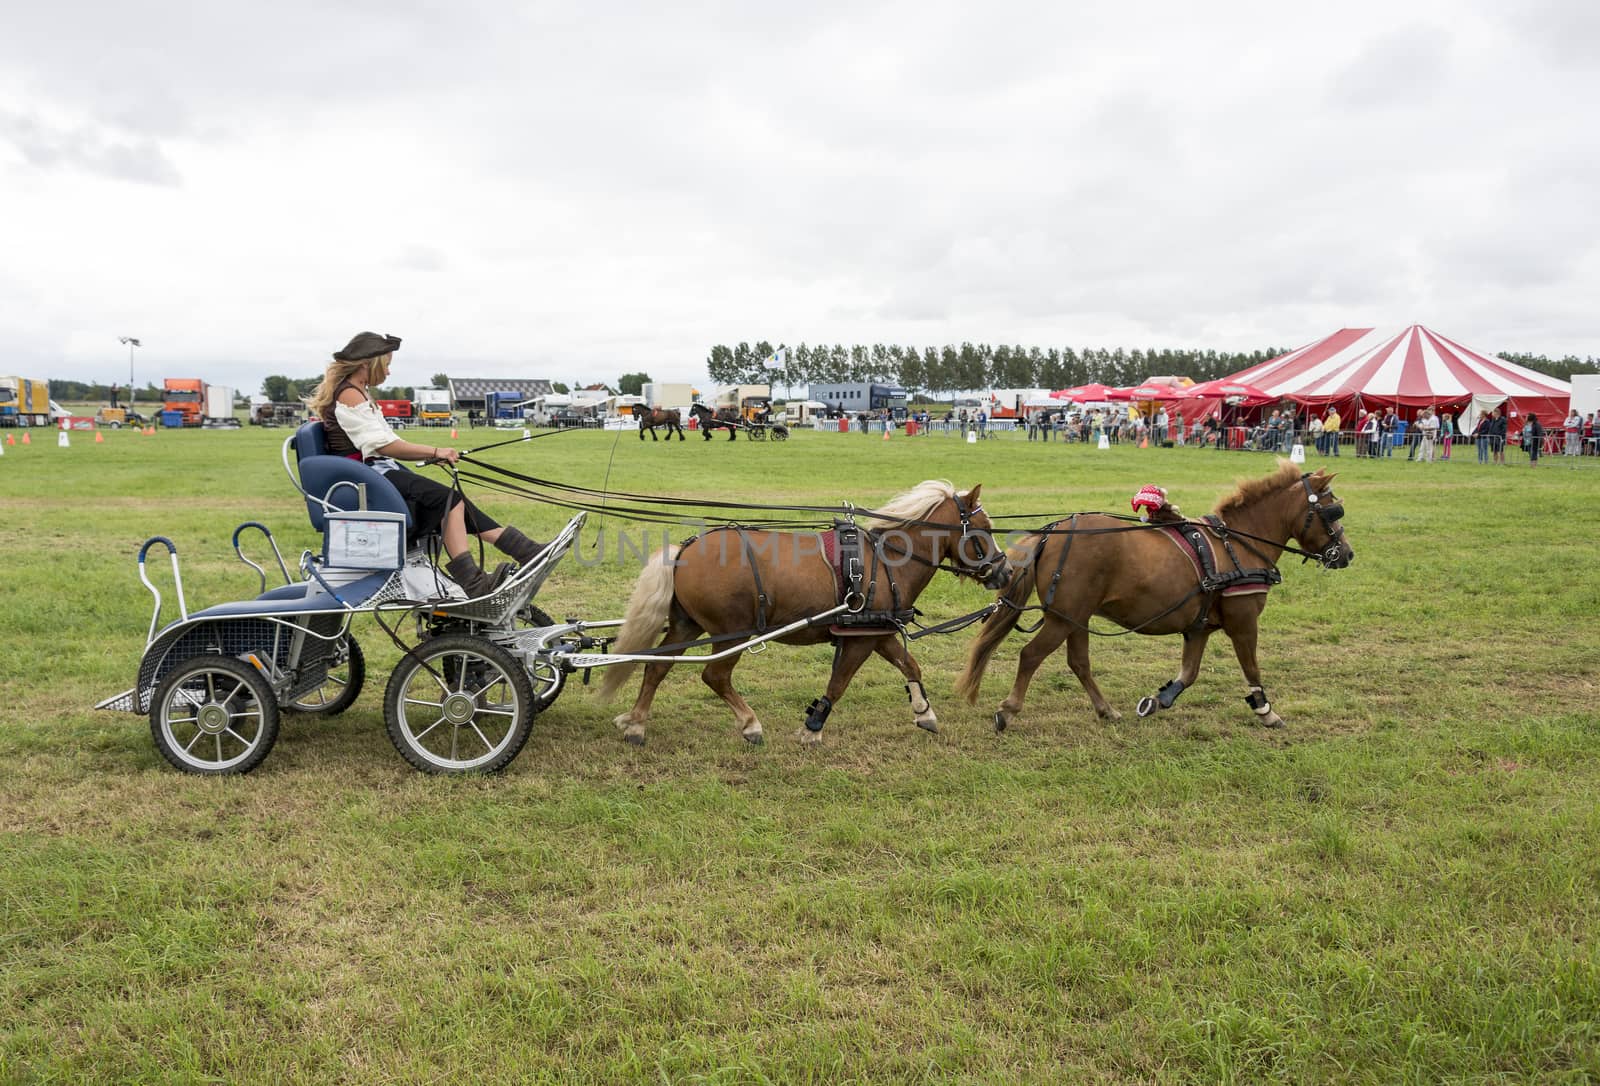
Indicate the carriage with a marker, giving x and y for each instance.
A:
(469, 683)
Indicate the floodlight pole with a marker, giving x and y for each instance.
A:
(132, 342)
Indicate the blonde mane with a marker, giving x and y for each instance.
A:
(914, 504)
(1250, 491)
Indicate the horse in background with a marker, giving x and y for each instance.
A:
(1151, 580)
(733, 583)
(714, 420)
(651, 417)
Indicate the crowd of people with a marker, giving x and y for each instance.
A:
(1379, 433)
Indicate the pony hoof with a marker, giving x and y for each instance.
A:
(755, 739)
(633, 739)
(1000, 722)
(1147, 706)
(929, 726)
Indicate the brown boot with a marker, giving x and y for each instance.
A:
(511, 541)
(464, 571)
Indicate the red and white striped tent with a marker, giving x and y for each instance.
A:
(1409, 368)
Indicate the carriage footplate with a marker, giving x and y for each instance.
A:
(817, 713)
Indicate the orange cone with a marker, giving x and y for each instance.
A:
(99, 438)
(26, 440)
(1144, 443)
(10, 440)
(452, 433)
(886, 432)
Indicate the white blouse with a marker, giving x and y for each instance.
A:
(365, 426)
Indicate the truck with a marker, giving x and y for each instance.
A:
(24, 402)
(219, 408)
(182, 401)
(398, 413)
(433, 407)
(502, 405)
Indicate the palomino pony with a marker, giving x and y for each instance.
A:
(651, 417)
(731, 583)
(713, 420)
(1148, 580)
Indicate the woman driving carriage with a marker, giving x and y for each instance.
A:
(354, 427)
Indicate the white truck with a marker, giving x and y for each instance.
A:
(217, 409)
(433, 407)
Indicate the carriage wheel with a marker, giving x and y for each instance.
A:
(343, 685)
(780, 433)
(546, 679)
(459, 704)
(214, 714)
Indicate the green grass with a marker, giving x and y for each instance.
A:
(1400, 886)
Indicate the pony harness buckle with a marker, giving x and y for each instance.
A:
(847, 556)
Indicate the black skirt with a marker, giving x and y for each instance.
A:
(429, 502)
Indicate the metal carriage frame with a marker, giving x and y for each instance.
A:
(462, 698)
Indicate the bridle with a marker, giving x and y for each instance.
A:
(1330, 510)
(985, 572)
(982, 571)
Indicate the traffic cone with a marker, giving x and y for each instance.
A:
(886, 429)
(11, 439)
(26, 440)
(1144, 443)
(452, 433)
(99, 438)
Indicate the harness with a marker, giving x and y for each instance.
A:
(1193, 538)
(848, 556)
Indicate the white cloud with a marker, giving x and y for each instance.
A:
(571, 190)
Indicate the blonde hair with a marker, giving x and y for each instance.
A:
(338, 373)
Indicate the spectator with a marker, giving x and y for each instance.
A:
(1497, 437)
(1427, 432)
(1330, 432)
(1386, 428)
(1370, 433)
(1574, 428)
(1532, 439)
(1480, 435)
(1447, 434)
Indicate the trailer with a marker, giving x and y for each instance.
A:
(24, 402)
(219, 409)
(397, 413)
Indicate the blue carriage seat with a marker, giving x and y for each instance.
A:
(333, 479)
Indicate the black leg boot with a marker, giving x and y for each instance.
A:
(464, 571)
(511, 541)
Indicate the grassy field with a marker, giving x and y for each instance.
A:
(1402, 885)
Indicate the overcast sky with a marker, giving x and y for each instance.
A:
(566, 191)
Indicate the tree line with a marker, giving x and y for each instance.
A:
(945, 369)
(967, 366)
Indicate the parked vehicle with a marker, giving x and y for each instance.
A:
(182, 401)
(24, 402)
(434, 407)
(118, 417)
(399, 413)
(219, 408)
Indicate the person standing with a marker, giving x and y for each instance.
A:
(1532, 439)
(1497, 437)
(1427, 434)
(1574, 428)
(1447, 434)
(1330, 432)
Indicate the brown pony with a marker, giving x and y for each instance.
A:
(1145, 581)
(731, 582)
(651, 417)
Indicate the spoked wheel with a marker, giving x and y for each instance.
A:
(459, 704)
(780, 433)
(214, 714)
(546, 679)
(347, 674)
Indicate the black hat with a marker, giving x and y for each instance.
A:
(367, 345)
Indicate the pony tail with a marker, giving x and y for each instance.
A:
(1002, 622)
(647, 612)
